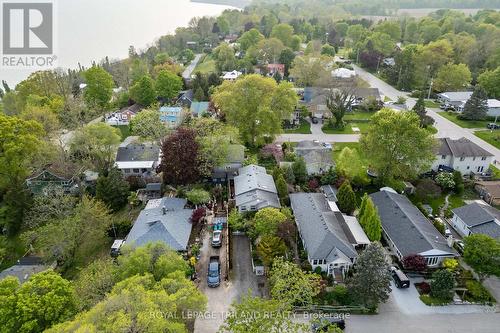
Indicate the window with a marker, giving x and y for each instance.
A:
(462, 158)
(126, 170)
(243, 208)
(253, 207)
(468, 167)
(483, 158)
(315, 262)
(135, 170)
(443, 157)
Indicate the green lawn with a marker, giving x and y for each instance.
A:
(338, 146)
(206, 65)
(436, 203)
(124, 131)
(495, 171)
(464, 123)
(492, 137)
(304, 128)
(431, 104)
(358, 116)
(363, 127)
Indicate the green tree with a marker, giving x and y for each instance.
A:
(156, 259)
(289, 175)
(370, 284)
(236, 221)
(168, 85)
(396, 146)
(112, 189)
(421, 111)
(328, 50)
(256, 106)
(346, 198)
(256, 314)
(310, 70)
(282, 187)
(445, 180)
(391, 28)
(147, 125)
(286, 58)
(482, 253)
(291, 285)
(198, 196)
(44, 300)
(266, 222)
(199, 94)
(476, 108)
(143, 91)
(283, 32)
(451, 77)
(225, 60)
(131, 303)
(94, 282)
(490, 81)
(370, 220)
(99, 88)
(84, 231)
(250, 38)
(349, 165)
(442, 284)
(43, 115)
(96, 144)
(300, 171)
(269, 248)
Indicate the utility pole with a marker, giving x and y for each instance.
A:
(430, 88)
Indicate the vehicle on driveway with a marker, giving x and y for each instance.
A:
(493, 126)
(459, 245)
(447, 107)
(217, 238)
(400, 279)
(213, 276)
(325, 323)
(314, 120)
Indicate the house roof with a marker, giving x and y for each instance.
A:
(255, 187)
(199, 108)
(456, 96)
(367, 92)
(324, 232)
(135, 108)
(330, 192)
(493, 103)
(314, 152)
(406, 226)
(480, 218)
(138, 152)
(164, 220)
(279, 67)
(63, 171)
(24, 269)
(231, 75)
(343, 73)
(461, 148)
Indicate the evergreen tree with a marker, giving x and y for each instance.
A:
(300, 171)
(113, 190)
(370, 220)
(199, 95)
(476, 107)
(370, 284)
(346, 198)
(420, 110)
(290, 177)
(362, 207)
(282, 187)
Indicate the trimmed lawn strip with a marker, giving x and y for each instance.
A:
(464, 123)
(363, 127)
(431, 104)
(492, 137)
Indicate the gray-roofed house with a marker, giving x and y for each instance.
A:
(138, 159)
(477, 218)
(152, 191)
(254, 189)
(163, 220)
(330, 192)
(325, 234)
(235, 159)
(455, 98)
(25, 268)
(462, 155)
(407, 230)
(317, 155)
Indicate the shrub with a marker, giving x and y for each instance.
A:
(439, 226)
(414, 262)
(445, 180)
(477, 293)
(450, 264)
(236, 220)
(313, 184)
(423, 287)
(197, 215)
(442, 284)
(341, 294)
(427, 188)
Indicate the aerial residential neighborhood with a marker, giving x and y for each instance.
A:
(244, 166)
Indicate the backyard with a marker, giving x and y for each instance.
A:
(124, 131)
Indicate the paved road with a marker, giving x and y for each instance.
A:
(242, 279)
(189, 69)
(445, 127)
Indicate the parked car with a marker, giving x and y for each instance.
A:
(447, 107)
(400, 278)
(217, 238)
(115, 248)
(314, 120)
(323, 324)
(213, 276)
(493, 126)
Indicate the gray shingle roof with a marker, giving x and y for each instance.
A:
(456, 96)
(324, 232)
(138, 152)
(255, 187)
(314, 152)
(330, 192)
(406, 226)
(480, 218)
(163, 220)
(461, 148)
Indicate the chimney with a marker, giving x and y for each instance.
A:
(164, 210)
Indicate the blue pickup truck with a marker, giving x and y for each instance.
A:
(213, 276)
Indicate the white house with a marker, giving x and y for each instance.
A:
(462, 155)
(328, 236)
(231, 76)
(124, 116)
(254, 189)
(477, 218)
(407, 231)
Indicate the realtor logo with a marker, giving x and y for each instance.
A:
(27, 28)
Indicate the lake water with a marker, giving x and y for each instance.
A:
(90, 30)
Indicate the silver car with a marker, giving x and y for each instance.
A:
(217, 238)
